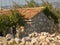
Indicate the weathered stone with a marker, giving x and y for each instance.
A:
(52, 44)
(58, 37)
(42, 37)
(44, 43)
(17, 40)
(9, 37)
(1, 39)
(53, 35)
(27, 43)
(1, 43)
(33, 40)
(11, 41)
(38, 39)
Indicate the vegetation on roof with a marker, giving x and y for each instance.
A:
(51, 12)
(50, 15)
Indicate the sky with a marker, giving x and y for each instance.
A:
(10, 2)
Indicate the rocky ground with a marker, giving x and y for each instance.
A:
(34, 38)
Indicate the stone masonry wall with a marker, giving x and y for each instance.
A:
(40, 23)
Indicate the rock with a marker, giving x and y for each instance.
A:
(27, 43)
(52, 44)
(44, 33)
(53, 35)
(47, 40)
(58, 41)
(23, 41)
(34, 34)
(55, 39)
(1, 43)
(34, 38)
(11, 41)
(1, 39)
(39, 34)
(5, 41)
(9, 37)
(17, 40)
(58, 37)
(30, 35)
(27, 39)
(42, 37)
(37, 43)
(44, 43)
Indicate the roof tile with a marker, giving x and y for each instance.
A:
(27, 12)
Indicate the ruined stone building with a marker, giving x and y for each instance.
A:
(36, 20)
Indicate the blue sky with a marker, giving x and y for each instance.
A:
(10, 2)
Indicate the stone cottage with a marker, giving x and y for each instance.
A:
(36, 20)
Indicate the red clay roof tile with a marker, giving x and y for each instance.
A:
(27, 12)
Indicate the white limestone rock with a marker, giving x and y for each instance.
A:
(1, 43)
(44, 43)
(23, 41)
(27, 43)
(58, 37)
(9, 37)
(53, 35)
(34, 34)
(42, 37)
(17, 40)
(11, 41)
(52, 44)
(33, 40)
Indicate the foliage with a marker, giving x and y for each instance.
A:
(49, 14)
(14, 19)
(58, 11)
(47, 4)
(4, 22)
(31, 3)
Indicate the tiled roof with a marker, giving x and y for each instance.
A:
(27, 12)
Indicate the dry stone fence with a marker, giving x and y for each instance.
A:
(43, 38)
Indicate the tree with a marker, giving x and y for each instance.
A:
(14, 20)
(4, 23)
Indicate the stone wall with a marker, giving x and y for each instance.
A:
(40, 23)
(43, 38)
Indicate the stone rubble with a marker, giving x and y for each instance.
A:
(43, 38)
